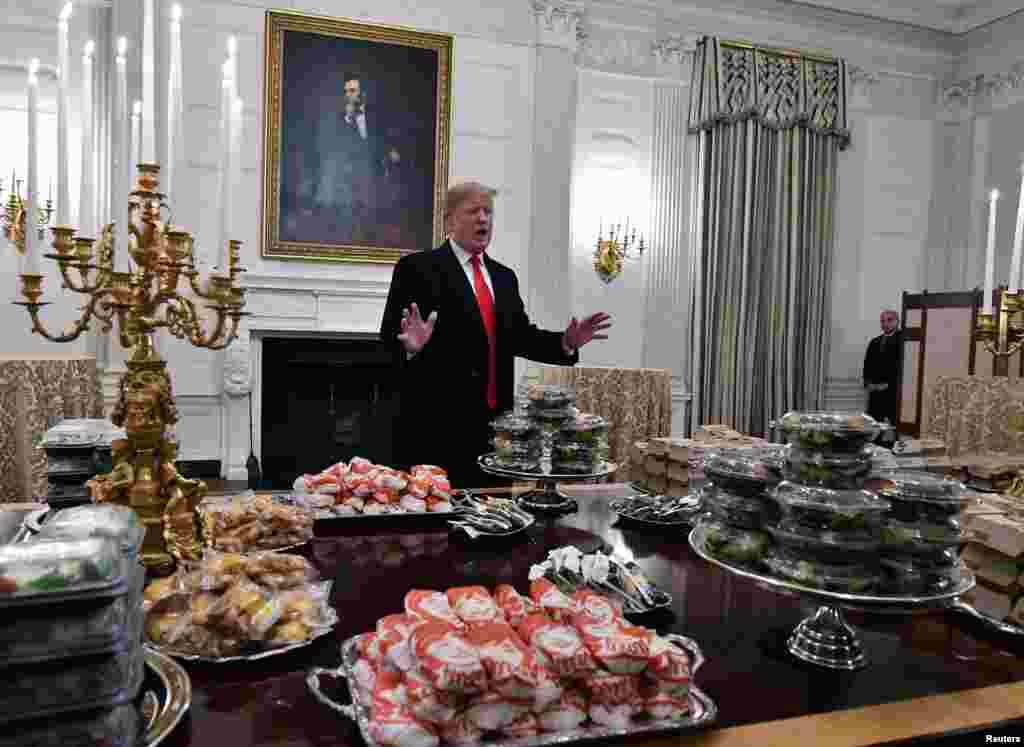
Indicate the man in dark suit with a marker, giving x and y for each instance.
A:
(882, 369)
(457, 321)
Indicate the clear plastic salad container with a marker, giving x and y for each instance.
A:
(824, 508)
(584, 429)
(512, 427)
(922, 575)
(733, 544)
(579, 466)
(510, 449)
(550, 396)
(52, 571)
(35, 634)
(103, 520)
(32, 691)
(825, 544)
(829, 431)
(76, 433)
(738, 510)
(827, 469)
(922, 496)
(107, 727)
(847, 578)
(918, 538)
(517, 464)
(739, 472)
(571, 452)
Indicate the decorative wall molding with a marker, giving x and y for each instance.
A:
(559, 23)
(673, 55)
(619, 49)
(996, 90)
(861, 82)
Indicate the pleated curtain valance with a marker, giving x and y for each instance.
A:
(733, 81)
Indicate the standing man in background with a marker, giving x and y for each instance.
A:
(456, 321)
(882, 369)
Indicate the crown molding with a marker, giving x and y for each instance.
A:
(559, 23)
(964, 98)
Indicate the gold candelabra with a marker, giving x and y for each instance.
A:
(142, 297)
(611, 253)
(13, 216)
(1004, 336)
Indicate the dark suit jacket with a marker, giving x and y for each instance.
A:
(443, 389)
(882, 366)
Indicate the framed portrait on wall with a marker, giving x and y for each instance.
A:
(356, 139)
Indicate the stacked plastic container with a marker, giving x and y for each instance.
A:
(736, 497)
(517, 443)
(580, 445)
(833, 534)
(70, 646)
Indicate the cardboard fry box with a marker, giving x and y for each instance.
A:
(637, 473)
(638, 452)
(660, 485)
(655, 465)
(995, 604)
(998, 532)
(677, 489)
(991, 566)
(679, 472)
(657, 446)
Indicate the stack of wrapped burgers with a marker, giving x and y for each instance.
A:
(70, 645)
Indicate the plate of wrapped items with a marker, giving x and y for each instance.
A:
(360, 489)
(231, 607)
(248, 522)
(470, 664)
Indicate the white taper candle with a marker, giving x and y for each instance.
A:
(175, 121)
(122, 153)
(1018, 232)
(31, 264)
(63, 156)
(990, 250)
(86, 196)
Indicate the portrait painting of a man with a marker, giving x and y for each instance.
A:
(357, 144)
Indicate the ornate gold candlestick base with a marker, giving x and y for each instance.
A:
(144, 474)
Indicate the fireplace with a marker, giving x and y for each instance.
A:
(324, 400)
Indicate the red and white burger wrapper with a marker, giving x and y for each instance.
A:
(565, 714)
(514, 605)
(667, 662)
(393, 634)
(401, 729)
(551, 599)
(365, 675)
(612, 689)
(389, 693)
(594, 609)
(461, 731)
(526, 725)
(618, 647)
(426, 703)
(562, 646)
(447, 659)
(413, 505)
(511, 667)
(492, 712)
(666, 706)
(616, 716)
(431, 606)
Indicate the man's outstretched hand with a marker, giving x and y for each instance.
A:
(415, 331)
(579, 333)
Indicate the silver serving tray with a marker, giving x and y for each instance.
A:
(484, 533)
(1000, 626)
(325, 515)
(165, 699)
(857, 601)
(703, 710)
(486, 463)
(687, 518)
(254, 656)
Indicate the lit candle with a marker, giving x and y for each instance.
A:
(63, 159)
(1018, 232)
(147, 144)
(990, 251)
(175, 123)
(122, 169)
(31, 264)
(86, 206)
(136, 149)
(226, 105)
(233, 66)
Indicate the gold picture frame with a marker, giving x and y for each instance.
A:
(355, 139)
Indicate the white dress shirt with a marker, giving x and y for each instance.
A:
(464, 258)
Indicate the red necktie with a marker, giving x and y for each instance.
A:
(486, 303)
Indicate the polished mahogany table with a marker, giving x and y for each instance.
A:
(921, 678)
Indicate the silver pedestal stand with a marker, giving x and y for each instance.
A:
(546, 497)
(825, 638)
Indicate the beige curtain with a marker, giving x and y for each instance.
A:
(767, 126)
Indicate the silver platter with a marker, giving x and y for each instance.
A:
(685, 518)
(254, 656)
(856, 601)
(487, 464)
(703, 710)
(34, 521)
(1000, 626)
(165, 699)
